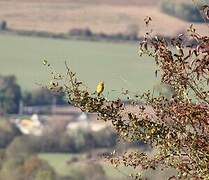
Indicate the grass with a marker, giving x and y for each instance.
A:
(58, 162)
(120, 172)
(117, 64)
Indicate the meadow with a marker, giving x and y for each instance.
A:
(117, 64)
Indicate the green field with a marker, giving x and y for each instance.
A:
(118, 64)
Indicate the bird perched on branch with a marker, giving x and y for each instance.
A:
(100, 88)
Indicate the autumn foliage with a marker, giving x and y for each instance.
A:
(178, 126)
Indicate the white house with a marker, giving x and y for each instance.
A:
(30, 126)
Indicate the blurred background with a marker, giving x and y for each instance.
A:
(42, 136)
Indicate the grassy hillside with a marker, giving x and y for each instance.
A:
(117, 64)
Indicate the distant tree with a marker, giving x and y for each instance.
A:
(7, 133)
(10, 94)
(3, 25)
(105, 138)
(183, 10)
(42, 97)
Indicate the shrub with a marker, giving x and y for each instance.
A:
(178, 126)
(58, 140)
(30, 168)
(82, 140)
(10, 95)
(7, 133)
(3, 25)
(105, 138)
(36, 169)
(88, 171)
(80, 32)
(22, 147)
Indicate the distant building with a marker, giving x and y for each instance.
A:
(81, 123)
(86, 123)
(30, 126)
(83, 117)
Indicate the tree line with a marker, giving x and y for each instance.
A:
(11, 95)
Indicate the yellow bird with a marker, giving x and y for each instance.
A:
(100, 87)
